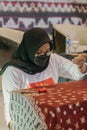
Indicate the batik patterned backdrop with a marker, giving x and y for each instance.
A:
(24, 14)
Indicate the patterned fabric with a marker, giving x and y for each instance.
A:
(68, 1)
(26, 14)
(62, 107)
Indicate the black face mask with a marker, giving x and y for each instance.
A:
(41, 60)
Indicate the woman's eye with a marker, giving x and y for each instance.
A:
(39, 52)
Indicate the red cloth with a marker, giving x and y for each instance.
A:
(64, 105)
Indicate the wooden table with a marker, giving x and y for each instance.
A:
(62, 107)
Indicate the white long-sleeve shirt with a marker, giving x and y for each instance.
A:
(14, 78)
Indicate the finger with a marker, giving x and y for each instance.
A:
(83, 68)
(80, 63)
(79, 59)
(84, 55)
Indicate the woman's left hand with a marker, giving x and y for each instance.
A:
(80, 60)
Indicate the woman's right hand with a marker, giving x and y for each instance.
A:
(80, 60)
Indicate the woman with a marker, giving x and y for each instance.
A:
(33, 64)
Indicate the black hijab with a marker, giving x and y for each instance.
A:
(23, 57)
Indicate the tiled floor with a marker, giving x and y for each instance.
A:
(2, 119)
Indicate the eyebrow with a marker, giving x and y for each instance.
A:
(46, 50)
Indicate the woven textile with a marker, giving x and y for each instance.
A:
(22, 15)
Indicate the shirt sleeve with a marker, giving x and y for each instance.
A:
(10, 82)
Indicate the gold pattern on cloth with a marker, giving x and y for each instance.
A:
(62, 107)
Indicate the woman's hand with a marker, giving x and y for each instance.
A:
(80, 61)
